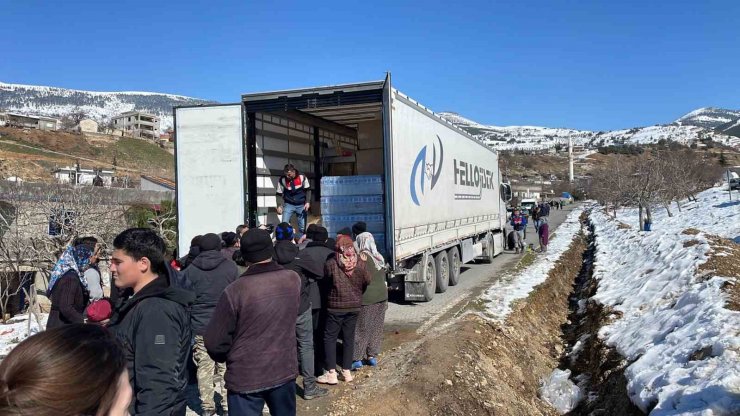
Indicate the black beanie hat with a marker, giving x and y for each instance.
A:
(283, 232)
(209, 242)
(320, 234)
(229, 238)
(359, 228)
(311, 231)
(345, 231)
(256, 245)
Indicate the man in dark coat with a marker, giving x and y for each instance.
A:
(318, 251)
(253, 331)
(286, 255)
(209, 274)
(153, 325)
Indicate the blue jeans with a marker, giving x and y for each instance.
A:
(288, 210)
(280, 400)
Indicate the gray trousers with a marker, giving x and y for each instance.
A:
(304, 335)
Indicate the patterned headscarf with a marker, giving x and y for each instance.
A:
(75, 258)
(366, 243)
(346, 254)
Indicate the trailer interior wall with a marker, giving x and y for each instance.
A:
(209, 166)
(289, 137)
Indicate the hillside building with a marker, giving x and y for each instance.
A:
(137, 124)
(78, 176)
(29, 122)
(87, 126)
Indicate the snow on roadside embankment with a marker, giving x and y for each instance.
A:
(16, 330)
(670, 322)
(501, 296)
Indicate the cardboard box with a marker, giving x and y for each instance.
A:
(370, 162)
(370, 134)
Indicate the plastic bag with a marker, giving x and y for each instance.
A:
(560, 392)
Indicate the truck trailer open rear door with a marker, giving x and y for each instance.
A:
(209, 166)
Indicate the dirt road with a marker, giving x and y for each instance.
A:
(405, 316)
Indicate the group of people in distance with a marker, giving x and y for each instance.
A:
(540, 216)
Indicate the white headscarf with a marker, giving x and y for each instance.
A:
(366, 243)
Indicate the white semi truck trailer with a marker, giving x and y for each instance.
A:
(444, 199)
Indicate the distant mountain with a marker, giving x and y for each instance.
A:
(100, 106)
(688, 129)
(709, 117)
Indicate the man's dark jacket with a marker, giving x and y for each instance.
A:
(154, 327)
(253, 329)
(209, 275)
(318, 253)
(288, 256)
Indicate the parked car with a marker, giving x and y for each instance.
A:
(735, 184)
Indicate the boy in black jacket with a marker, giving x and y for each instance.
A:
(153, 324)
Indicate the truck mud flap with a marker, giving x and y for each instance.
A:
(414, 291)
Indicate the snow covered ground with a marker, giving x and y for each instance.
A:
(666, 313)
(509, 289)
(16, 330)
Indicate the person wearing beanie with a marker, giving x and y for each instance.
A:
(345, 231)
(253, 331)
(209, 274)
(358, 228)
(286, 255)
(318, 252)
(192, 253)
(284, 232)
(308, 237)
(347, 279)
(230, 245)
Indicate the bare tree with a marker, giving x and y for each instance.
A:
(38, 221)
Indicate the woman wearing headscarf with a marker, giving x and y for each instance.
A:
(369, 331)
(68, 288)
(347, 278)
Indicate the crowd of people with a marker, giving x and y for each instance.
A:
(540, 215)
(249, 309)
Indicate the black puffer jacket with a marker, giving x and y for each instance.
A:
(286, 255)
(154, 327)
(318, 253)
(209, 274)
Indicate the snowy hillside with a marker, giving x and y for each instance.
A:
(539, 138)
(668, 290)
(709, 117)
(101, 106)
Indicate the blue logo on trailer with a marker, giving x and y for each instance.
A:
(430, 170)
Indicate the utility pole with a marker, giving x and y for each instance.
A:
(729, 187)
(570, 157)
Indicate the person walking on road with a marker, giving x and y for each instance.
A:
(209, 274)
(347, 278)
(253, 330)
(294, 196)
(518, 224)
(369, 332)
(153, 325)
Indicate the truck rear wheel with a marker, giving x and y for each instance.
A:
(430, 280)
(453, 259)
(442, 264)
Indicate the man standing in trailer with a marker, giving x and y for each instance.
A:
(293, 196)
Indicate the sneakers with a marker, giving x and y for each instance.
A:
(329, 377)
(372, 361)
(356, 365)
(313, 391)
(347, 376)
